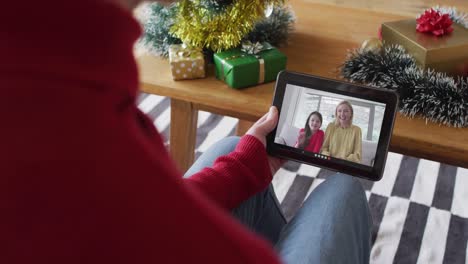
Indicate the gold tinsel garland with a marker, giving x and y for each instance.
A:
(198, 27)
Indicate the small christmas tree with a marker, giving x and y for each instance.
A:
(217, 25)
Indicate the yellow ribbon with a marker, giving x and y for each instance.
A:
(261, 61)
(261, 74)
(183, 51)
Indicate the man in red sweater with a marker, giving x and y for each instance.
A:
(84, 175)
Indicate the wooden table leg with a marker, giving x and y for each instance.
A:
(242, 127)
(183, 133)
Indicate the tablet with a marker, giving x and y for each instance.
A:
(335, 125)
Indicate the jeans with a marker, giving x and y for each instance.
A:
(332, 226)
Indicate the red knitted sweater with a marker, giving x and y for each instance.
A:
(84, 176)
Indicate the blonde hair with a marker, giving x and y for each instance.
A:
(336, 111)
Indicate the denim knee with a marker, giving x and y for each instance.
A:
(350, 193)
(333, 226)
(347, 183)
(231, 141)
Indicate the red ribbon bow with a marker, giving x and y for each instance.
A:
(434, 22)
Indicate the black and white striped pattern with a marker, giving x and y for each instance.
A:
(419, 208)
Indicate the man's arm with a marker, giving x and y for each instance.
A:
(247, 170)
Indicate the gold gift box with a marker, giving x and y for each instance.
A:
(186, 63)
(448, 53)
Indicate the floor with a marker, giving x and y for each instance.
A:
(419, 208)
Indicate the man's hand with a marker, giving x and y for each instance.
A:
(264, 125)
(260, 130)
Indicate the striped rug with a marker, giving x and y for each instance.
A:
(419, 208)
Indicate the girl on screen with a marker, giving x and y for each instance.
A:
(311, 136)
(343, 140)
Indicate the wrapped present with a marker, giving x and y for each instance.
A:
(252, 64)
(442, 51)
(186, 63)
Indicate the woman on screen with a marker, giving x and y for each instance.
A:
(343, 140)
(311, 136)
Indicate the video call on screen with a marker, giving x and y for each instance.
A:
(329, 125)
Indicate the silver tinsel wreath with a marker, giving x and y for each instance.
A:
(433, 95)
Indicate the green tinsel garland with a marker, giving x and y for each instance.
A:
(433, 95)
(274, 29)
(215, 6)
(157, 37)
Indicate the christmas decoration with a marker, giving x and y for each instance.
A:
(274, 29)
(215, 6)
(433, 95)
(409, 68)
(157, 37)
(457, 17)
(250, 65)
(198, 27)
(441, 52)
(373, 45)
(254, 48)
(186, 63)
(434, 22)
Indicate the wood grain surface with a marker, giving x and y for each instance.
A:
(183, 133)
(407, 8)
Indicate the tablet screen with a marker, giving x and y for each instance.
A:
(330, 125)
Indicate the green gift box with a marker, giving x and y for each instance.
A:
(252, 64)
(444, 53)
